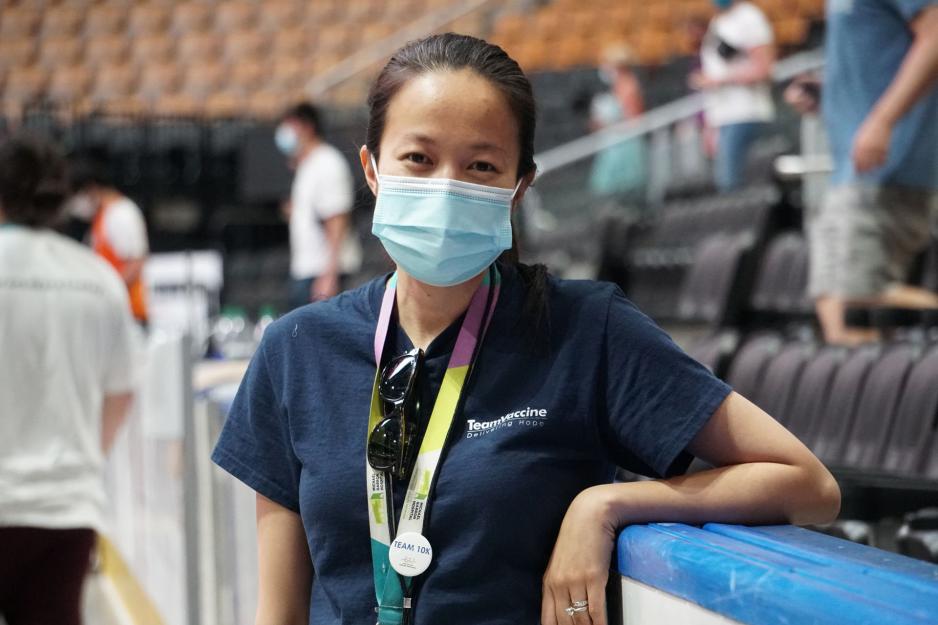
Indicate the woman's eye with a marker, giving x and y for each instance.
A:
(418, 158)
(483, 166)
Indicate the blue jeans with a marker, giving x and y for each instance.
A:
(732, 149)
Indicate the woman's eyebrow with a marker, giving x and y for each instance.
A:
(477, 147)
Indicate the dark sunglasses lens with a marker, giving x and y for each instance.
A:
(384, 445)
(396, 378)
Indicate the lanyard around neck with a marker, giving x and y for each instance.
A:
(390, 586)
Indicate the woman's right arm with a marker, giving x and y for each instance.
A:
(285, 572)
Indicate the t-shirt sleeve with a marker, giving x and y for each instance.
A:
(909, 9)
(255, 444)
(657, 397)
(126, 230)
(334, 188)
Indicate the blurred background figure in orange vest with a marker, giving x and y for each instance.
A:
(118, 231)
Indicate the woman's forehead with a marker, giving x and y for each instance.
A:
(455, 107)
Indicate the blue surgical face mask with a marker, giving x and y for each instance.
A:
(442, 232)
(722, 4)
(286, 140)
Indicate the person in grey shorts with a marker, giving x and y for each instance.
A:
(880, 108)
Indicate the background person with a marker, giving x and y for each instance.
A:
(619, 171)
(118, 230)
(879, 106)
(522, 518)
(66, 335)
(323, 247)
(736, 66)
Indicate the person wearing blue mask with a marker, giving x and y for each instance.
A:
(736, 56)
(323, 248)
(439, 445)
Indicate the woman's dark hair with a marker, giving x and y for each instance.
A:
(452, 52)
(33, 181)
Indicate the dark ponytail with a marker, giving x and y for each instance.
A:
(452, 52)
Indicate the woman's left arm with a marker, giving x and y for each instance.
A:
(764, 475)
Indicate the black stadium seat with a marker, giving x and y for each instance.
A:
(748, 367)
(782, 279)
(715, 351)
(915, 422)
(782, 376)
(809, 405)
(709, 293)
(876, 411)
(851, 377)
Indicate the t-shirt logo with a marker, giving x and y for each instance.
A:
(525, 418)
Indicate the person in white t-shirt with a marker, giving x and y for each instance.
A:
(118, 229)
(323, 248)
(68, 341)
(737, 56)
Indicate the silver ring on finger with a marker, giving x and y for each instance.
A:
(575, 609)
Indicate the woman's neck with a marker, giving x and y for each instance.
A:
(424, 311)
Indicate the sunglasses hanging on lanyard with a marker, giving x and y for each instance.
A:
(400, 554)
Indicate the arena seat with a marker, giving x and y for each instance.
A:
(747, 370)
(781, 283)
(877, 405)
(916, 418)
(844, 397)
(105, 19)
(808, 407)
(58, 51)
(19, 21)
(147, 19)
(710, 292)
(714, 352)
(106, 50)
(782, 376)
(191, 17)
(59, 21)
(153, 49)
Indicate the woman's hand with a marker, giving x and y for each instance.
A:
(579, 566)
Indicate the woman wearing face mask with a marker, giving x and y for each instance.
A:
(737, 56)
(439, 444)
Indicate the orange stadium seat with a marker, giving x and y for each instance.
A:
(286, 74)
(200, 80)
(198, 47)
(147, 19)
(62, 20)
(280, 14)
(69, 84)
(245, 46)
(113, 83)
(152, 49)
(106, 50)
(292, 43)
(17, 52)
(334, 39)
(63, 50)
(227, 103)
(652, 47)
(191, 17)
(105, 19)
(237, 15)
(179, 105)
(24, 85)
(19, 21)
(249, 75)
(791, 31)
(158, 80)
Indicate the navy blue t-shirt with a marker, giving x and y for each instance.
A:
(542, 421)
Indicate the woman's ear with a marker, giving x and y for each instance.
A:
(526, 182)
(371, 176)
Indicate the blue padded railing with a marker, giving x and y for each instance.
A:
(780, 575)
